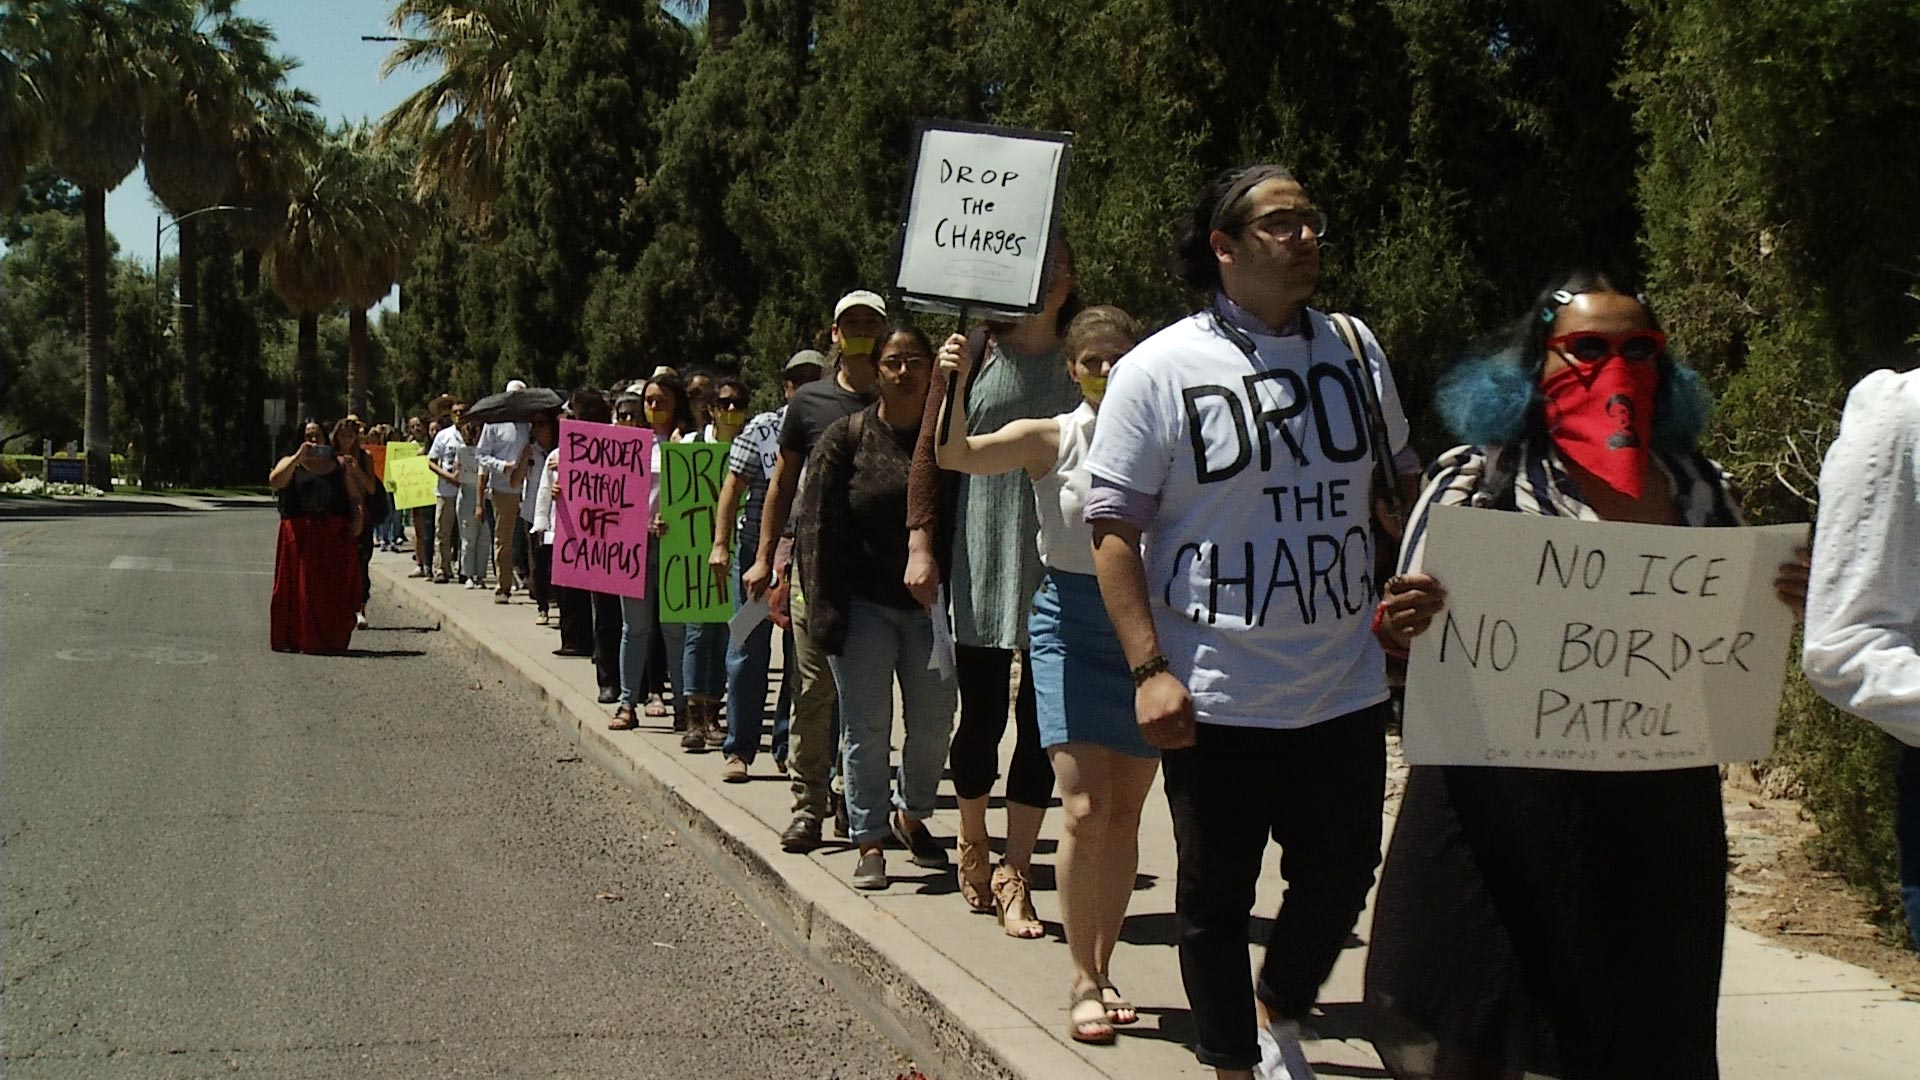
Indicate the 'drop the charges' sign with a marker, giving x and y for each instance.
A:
(602, 515)
(1598, 646)
(690, 478)
(982, 206)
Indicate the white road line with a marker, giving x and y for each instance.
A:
(141, 562)
(15, 564)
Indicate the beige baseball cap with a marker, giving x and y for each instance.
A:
(860, 298)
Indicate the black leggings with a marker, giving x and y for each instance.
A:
(975, 754)
(366, 567)
(540, 582)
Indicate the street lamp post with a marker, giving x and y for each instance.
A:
(159, 230)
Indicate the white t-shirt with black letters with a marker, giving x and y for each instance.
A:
(1260, 556)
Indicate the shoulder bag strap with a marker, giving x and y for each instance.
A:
(1386, 484)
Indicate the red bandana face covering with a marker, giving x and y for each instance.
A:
(1601, 416)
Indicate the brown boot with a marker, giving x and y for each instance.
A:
(694, 736)
(716, 728)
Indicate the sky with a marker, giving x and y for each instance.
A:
(335, 66)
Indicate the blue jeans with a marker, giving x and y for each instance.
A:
(747, 663)
(703, 663)
(637, 620)
(1906, 827)
(884, 644)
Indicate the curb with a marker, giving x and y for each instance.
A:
(951, 1023)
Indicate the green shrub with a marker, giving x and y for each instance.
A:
(1845, 770)
(9, 472)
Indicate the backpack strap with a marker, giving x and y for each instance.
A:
(1385, 484)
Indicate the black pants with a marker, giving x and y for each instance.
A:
(606, 640)
(1317, 792)
(540, 582)
(975, 755)
(576, 619)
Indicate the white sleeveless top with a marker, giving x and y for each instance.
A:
(1060, 497)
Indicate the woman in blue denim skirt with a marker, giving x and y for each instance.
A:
(1082, 686)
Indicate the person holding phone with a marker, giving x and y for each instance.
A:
(316, 566)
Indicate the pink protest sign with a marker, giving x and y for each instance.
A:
(602, 512)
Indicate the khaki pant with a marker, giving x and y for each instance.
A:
(812, 745)
(506, 511)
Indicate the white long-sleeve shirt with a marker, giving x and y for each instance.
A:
(499, 449)
(543, 506)
(1863, 601)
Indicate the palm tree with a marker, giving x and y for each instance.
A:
(350, 232)
(724, 19)
(283, 132)
(94, 67)
(24, 115)
(216, 64)
(391, 225)
(462, 119)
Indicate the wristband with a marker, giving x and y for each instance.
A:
(1154, 666)
(1383, 635)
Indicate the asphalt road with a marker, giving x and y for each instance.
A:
(219, 860)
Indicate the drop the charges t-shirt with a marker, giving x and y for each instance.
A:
(1260, 556)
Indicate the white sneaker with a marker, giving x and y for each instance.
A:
(1281, 1056)
(360, 621)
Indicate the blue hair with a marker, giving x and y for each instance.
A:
(1492, 400)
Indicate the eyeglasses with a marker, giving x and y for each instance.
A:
(1292, 224)
(1640, 346)
(902, 363)
(730, 404)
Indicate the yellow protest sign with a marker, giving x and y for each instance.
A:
(408, 476)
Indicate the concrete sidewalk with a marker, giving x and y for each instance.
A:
(977, 1003)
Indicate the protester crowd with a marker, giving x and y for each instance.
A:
(1070, 497)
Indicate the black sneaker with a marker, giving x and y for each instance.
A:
(922, 848)
(802, 835)
(609, 695)
(841, 827)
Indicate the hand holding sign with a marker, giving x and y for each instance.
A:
(982, 207)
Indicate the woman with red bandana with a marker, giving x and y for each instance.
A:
(1534, 922)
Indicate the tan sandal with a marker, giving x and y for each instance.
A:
(1088, 1018)
(1013, 903)
(976, 875)
(1120, 1011)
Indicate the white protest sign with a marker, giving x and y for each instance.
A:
(1598, 646)
(982, 204)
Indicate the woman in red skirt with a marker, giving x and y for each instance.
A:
(316, 570)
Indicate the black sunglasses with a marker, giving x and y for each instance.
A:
(625, 414)
(731, 403)
(1592, 347)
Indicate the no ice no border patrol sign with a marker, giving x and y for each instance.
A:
(982, 206)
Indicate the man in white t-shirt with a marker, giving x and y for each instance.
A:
(1232, 513)
(443, 457)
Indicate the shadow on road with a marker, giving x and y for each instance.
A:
(381, 654)
(56, 509)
